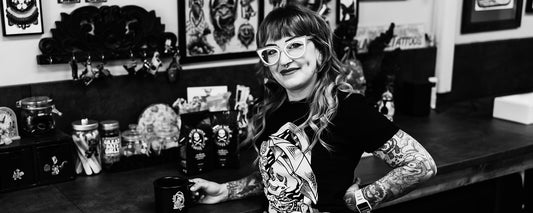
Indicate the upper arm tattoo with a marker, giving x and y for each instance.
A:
(247, 186)
(411, 162)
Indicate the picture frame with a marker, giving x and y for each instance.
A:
(95, 1)
(482, 16)
(235, 37)
(346, 10)
(323, 7)
(26, 20)
(529, 6)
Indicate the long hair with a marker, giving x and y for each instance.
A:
(293, 20)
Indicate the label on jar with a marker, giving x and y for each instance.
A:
(111, 149)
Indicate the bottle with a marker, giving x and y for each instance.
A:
(110, 142)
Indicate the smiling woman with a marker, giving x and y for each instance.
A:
(310, 119)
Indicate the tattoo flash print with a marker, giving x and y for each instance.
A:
(289, 182)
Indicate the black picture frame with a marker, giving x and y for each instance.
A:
(199, 41)
(346, 10)
(529, 6)
(27, 21)
(481, 18)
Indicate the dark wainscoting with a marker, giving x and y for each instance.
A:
(490, 69)
(123, 98)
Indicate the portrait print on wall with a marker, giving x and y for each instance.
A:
(489, 15)
(322, 7)
(21, 17)
(218, 29)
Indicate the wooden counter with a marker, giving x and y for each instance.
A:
(467, 147)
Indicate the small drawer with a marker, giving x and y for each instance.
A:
(55, 163)
(16, 169)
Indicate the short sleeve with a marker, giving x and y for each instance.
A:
(362, 124)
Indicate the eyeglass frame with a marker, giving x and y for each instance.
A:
(275, 47)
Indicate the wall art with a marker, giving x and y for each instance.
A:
(95, 1)
(485, 15)
(322, 7)
(21, 17)
(216, 30)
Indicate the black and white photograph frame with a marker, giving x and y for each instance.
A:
(208, 34)
(482, 16)
(21, 18)
(323, 7)
(347, 10)
(529, 6)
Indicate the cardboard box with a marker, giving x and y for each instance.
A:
(517, 108)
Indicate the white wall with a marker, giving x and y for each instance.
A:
(18, 53)
(18, 64)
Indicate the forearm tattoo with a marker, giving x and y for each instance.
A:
(247, 186)
(411, 162)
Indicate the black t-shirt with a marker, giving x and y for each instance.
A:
(289, 185)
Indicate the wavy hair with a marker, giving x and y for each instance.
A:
(293, 20)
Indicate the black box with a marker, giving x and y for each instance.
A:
(33, 161)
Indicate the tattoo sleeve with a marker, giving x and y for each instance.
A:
(247, 186)
(411, 164)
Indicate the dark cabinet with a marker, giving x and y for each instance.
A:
(35, 161)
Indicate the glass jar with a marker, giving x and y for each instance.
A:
(133, 142)
(110, 142)
(37, 115)
(86, 137)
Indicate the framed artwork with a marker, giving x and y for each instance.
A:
(95, 1)
(489, 15)
(529, 6)
(224, 30)
(347, 10)
(21, 17)
(323, 7)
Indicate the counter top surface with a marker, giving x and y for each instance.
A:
(462, 142)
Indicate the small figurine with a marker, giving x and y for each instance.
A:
(74, 67)
(155, 64)
(174, 69)
(131, 65)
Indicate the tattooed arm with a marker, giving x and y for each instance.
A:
(247, 186)
(412, 165)
(211, 192)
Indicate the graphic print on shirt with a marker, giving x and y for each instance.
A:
(290, 184)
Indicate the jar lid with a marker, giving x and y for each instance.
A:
(84, 124)
(109, 124)
(35, 103)
(131, 134)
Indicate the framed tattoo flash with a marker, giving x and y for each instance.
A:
(322, 7)
(216, 30)
(489, 15)
(21, 17)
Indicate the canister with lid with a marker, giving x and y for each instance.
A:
(37, 115)
(133, 142)
(86, 137)
(110, 142)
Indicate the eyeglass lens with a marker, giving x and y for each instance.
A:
(294, 49)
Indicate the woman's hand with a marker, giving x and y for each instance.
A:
(209, 192)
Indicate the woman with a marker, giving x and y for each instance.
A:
(311, 130)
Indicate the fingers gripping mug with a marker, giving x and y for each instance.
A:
(172, 194)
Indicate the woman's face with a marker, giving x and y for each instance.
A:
(295, 74)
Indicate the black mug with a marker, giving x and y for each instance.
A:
(172, 194)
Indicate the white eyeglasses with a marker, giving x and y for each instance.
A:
(295, 48)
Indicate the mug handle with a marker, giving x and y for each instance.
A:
(195, 197)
